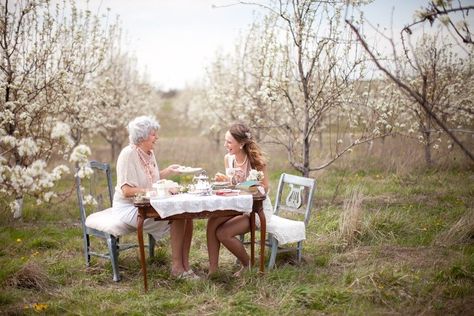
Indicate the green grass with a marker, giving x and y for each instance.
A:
(393, 267)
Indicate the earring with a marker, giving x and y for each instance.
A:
(241, 147)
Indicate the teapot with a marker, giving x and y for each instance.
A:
(201, 183)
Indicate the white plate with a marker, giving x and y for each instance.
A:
(199, 192)
(184, 169)
(220, 183)
(227, 192)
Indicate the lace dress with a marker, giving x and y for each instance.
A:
(240, 176)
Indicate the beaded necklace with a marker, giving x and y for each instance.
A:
(147, 162)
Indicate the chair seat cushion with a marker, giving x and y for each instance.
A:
(108, 221)
(286, 230)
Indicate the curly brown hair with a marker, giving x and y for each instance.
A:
(243, 135)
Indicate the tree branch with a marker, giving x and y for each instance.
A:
(415, 95)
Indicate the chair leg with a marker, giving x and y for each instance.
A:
(87, 245)
(299, 251)
(113, 252)
(151, 246)
(274, 250)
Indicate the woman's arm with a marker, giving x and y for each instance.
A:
(169, 171)
(129, 191)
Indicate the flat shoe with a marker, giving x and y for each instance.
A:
(190, 275)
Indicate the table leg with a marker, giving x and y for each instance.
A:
(142, 248)
(252, 239)
(263, 232)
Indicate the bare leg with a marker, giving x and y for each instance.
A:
(177, 243)
(226, 234)
(188, 235)
(213, 244)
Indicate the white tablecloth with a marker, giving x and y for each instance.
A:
(190, 203)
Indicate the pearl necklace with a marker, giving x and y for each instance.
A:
(241, 164)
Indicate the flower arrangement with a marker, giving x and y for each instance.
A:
(255, 175)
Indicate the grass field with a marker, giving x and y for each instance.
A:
(387, 236)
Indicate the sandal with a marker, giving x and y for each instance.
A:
(190, 275)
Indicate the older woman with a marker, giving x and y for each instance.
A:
(243, 155)
(137, 170)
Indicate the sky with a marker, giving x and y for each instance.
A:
(174, 40)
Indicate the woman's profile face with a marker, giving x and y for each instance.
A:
(149, 142)
(232, 145)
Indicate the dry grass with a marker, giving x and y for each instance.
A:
(396, 154)
(350, 222)
(459, 233)
(31, 276)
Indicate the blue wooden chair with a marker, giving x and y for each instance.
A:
(100, 222)
(291, 214)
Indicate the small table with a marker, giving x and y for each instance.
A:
(145, 210)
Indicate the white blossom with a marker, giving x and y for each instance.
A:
(89, 200)
(80, 154)
(444, 19)
(84, 172)
(48, 195)
(8, 140)
(27, 147)
(62, 131)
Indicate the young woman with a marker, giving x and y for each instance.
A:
(243, 154)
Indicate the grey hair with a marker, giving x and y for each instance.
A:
(140, 128)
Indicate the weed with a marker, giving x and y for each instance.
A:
(350, 223)
(461, 232)
(30, 276)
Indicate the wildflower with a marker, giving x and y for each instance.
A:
(39, 307)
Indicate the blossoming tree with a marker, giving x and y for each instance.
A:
(434, 74)
(291, 78)
(122, 94)
(48, 53)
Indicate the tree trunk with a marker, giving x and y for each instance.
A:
(18, 208)
(113, 149)
(370, 147)
(428, 158)
(217, 140)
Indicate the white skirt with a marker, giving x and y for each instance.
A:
(128, 213)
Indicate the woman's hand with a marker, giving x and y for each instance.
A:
(220, 177)
(169, 171)
(174, 168)
(129, 191)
